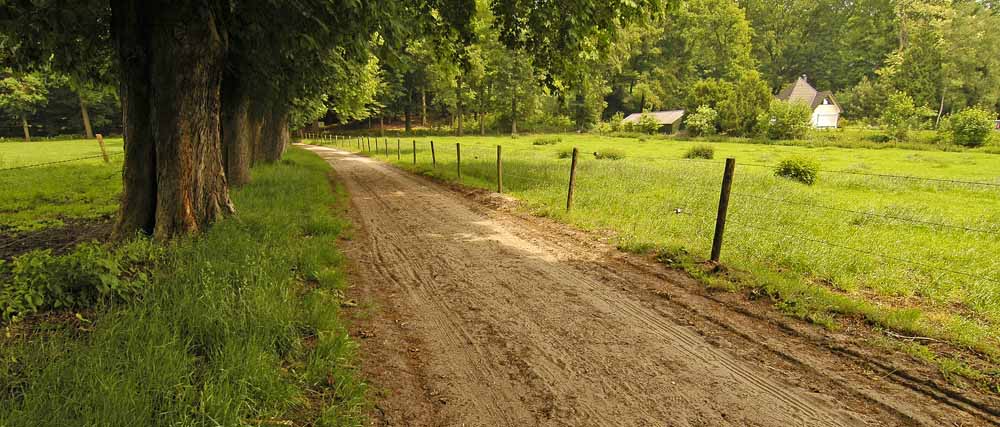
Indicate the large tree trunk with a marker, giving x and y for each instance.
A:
(88, 132)
(274, 135)
(171, 60)
(24, 126)
(237, 132)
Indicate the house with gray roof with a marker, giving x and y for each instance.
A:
(669, 120)
(825, 110)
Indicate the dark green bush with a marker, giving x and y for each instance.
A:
(700, 151)
(547, 141)
(39, 280)
(610, 154)
(799, 169)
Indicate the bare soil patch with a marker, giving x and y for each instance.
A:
(58, 239)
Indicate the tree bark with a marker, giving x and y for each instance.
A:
(170, 55)
(88, 132)
(459, 102)
(237, 131)
(513, 114)
(381, 125)
(423, 103)
(937, 123)
(24, 126)
(482, 113)
(274, 135)
(408, 114)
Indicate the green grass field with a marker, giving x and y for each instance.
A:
(237, 326)
(45, 196)
(912, 255)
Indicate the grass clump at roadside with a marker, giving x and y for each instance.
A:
(237, 326)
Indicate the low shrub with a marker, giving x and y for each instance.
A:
(700, 151)
(784, 121)
(799, 169)
(878, 138)
(702, 121)
(610, 154)
(547, 141)
(647, 124)
(970, 127)
(565, 153)
(39, 280)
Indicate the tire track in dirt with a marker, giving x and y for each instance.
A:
(519, 330)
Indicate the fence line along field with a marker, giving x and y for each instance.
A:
(46, 184)
(905, 239)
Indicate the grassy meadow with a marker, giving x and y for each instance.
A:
(236, 326)
(45, 196)
(917, 256)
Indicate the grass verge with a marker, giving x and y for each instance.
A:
(238, 326)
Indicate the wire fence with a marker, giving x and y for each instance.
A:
(58, 162)
(691, 188)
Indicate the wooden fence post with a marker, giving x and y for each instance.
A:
(376, 146)
(572, 181)
(104, 151)
(386, 144)
(458, 160)
(414, 151)
(398, 155)
(499, 171)
(434, 162)
(720, 219)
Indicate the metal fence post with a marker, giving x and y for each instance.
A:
(720, 219)
(572, 181)
(434, 162)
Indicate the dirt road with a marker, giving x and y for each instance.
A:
(472, 316)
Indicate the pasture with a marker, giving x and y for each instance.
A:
(905, 239)
(46, 184)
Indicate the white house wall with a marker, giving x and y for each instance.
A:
(825, 116)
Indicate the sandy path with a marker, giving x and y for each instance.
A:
(481, 318)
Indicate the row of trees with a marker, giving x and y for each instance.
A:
(727, 55)
(24, 95)
(209, 87)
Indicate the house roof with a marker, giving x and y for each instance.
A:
(662, 117)
(802, 91)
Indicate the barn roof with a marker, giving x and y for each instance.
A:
(802, 91)
(662, 117)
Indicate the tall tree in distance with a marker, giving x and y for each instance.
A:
(21, 94)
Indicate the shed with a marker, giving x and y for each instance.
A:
(825, 110)
(669, 120)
